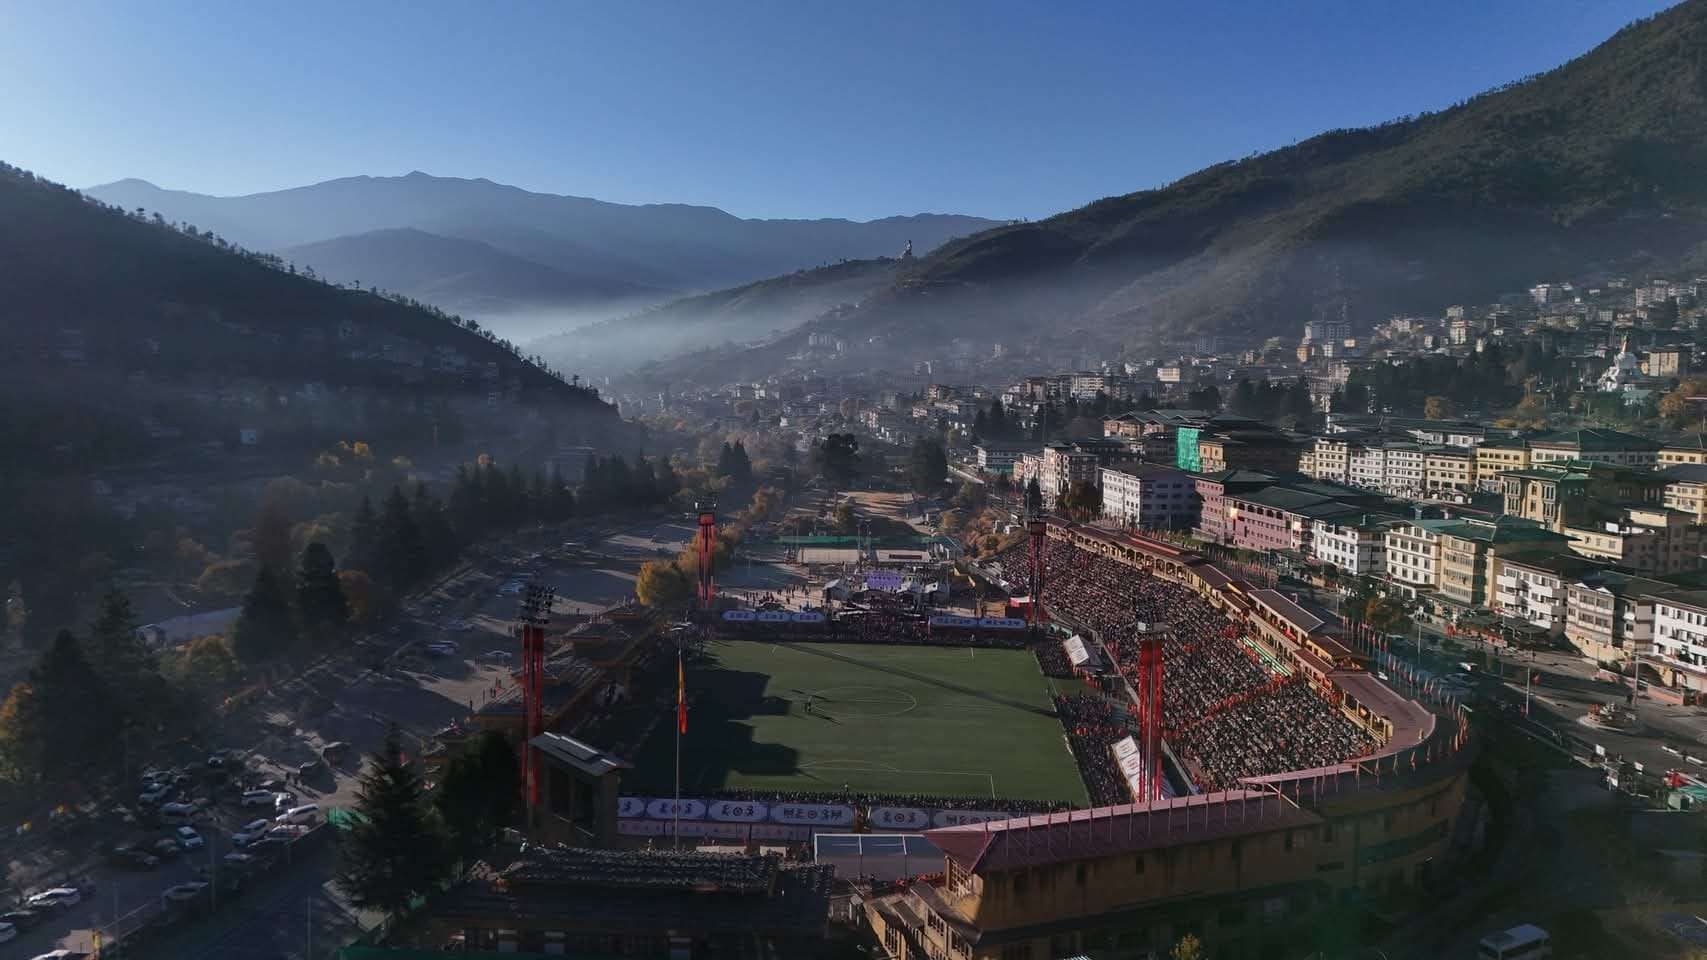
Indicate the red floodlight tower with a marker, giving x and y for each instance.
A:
(707, 591)
(1150, 714)
(535, 614)
(1037, 527)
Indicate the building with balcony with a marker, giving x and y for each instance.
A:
(1366, 466)
(1686, 489)
(1355, 544)
(1413, 556)
(1680, 638)
(1532, 587)
(1608, 615)
(1572, 493)
(1405, 470)
(1213, 523)
(1468, 549)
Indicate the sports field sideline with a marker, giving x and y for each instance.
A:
(944, 721)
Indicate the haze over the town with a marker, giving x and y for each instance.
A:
(777, 109)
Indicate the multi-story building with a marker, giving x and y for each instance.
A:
(1366, 466)
(1680, 638)
(1610, 615)
(1328, 457)
(1413, 556)
(1247, 450)
(1596, 445)
(1001, 457)
(1691, 449)
(1405, 470)
(1468, 550)
(1571, 492)
(1531, 586)
(1148, 496)
(1653, 541)
(1213, 489)
(1494, 457)
(1686, 489)
(1355, 545)
(1448, 470)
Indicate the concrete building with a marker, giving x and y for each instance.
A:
(1567, 493)
(1247, 450)
(1413, 556)
(1469, 549)
(1532, 587)
(1686, 489)
(1406, 470)
(1494, 457)
(1652, 541)
(1608, 615)
(1213, 523)
(1357, 546)
(1596, 445)
(1448, 470)
(1001, 457)
(1149, 496)
(1691, 449)
(1680, 639)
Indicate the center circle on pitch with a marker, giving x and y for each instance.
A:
(861, 702)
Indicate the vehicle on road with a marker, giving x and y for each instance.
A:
(288, 831)
(250, 832)
(184, 891)
(257, 798)
(55, 898)
(178, 812)
(131, 858)
(303, 814)
(22, 919)
(189, 839)
(1524, 942)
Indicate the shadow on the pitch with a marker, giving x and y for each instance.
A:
(818, 651)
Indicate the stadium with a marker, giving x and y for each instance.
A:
(1161, 711)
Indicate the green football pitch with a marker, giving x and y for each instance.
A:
(940, 721)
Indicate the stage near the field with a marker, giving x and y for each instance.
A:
(934, 721)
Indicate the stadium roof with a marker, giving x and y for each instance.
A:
(584, 757)
(1111, 831)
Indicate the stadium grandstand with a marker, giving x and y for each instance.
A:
(1299, 780)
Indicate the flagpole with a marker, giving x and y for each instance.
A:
(680, 694)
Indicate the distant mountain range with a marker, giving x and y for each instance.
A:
(495, 251)
(1597, 166)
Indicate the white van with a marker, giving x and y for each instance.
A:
(303, 814)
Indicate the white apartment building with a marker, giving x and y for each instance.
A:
(1056, 469)
(1535, 589)
(1406, 470)
(1366, 467)
(1413, 556)
(1357, 546)
(1328, 459)
(1148, 496)
(1680, 638)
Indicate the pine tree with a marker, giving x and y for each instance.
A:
(742, 466)
(364, 537)
(1033, 497)
(437, 537)
(67, 693)
(665, 479)
(319, 596)
(123, 661)
(397, 849)
(998, 420)
(264, 629)
(400, 558)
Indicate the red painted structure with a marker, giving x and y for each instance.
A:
(536, 613)
(706, 595)
(1150, 714)
(1038, 529)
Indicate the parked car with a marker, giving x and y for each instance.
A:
(257, 798)
(307, 813)
(497, 655)
(132, 859)
(283, 801)
(60, 954)
(152, 794)
(8, 932)
(250, 832)
(288, 831)
(22, 919)
(189, 839)
(184, 891)
(55, 898)
(239, 861)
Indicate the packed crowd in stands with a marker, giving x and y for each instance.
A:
(1093, 725)
(868, 801)
(1051, 659)
(1224, 712)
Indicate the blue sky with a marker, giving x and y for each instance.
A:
(788, 109)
